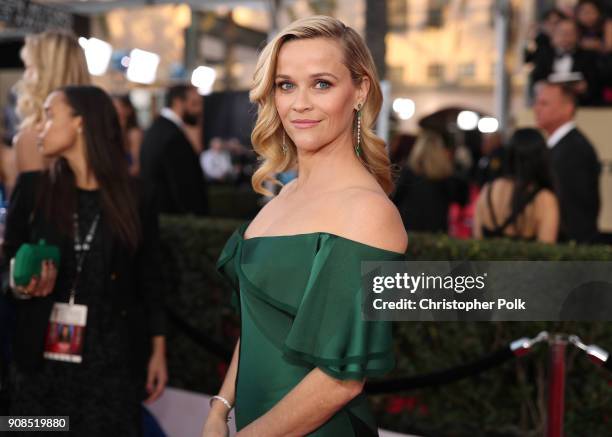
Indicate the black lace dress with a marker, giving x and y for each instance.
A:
(99, 395)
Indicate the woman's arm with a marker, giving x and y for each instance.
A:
(135, 137)
(150, 283)
(477, 222)
(17, 228)
(148, 265)
(227, 389)
(157, 372)
(17, 232)
(547, 213)
(608, 36)
(216, 422)
(306, 407)
(27, 156)
(9, 170)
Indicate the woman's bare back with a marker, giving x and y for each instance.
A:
(527, 224)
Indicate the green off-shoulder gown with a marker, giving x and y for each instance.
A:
(299, 300)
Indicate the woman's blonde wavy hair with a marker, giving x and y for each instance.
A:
(429, 157)
(267, 135)
(58, 60)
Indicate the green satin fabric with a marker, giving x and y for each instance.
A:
(299, 298)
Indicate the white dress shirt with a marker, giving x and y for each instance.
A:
(172, 116)
(563, 64)
(561, 132)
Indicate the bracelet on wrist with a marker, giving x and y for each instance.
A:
(224, 401)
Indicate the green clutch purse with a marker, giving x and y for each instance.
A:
(29, 258)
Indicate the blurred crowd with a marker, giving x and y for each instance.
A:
(574, 46)
(444, 184)
(227, 161)
(175, 139)
(541, 185)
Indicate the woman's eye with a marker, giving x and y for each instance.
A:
(325, 84)
(284, 85)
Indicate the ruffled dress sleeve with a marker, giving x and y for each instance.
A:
(328, 330)
(225, 266)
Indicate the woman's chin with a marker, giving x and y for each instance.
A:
(309, 144)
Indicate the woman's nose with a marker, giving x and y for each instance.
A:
(302, 101)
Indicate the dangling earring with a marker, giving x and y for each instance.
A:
(358, 146)
(284, 145)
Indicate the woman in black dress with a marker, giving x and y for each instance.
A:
(428, 185)
(86, 205)
(522, 204)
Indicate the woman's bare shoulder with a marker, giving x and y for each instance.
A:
(483, 191)
(370, 217)
(135, 135)
(27, 156)
(546, 199)
(25, 137)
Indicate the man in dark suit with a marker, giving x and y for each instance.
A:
(574, 162)
(169, 165)
(542, 40)
(564, 57)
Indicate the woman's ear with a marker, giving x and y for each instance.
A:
(78, 124)
(362, 90)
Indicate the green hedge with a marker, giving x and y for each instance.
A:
(227, 200)
(509, 400)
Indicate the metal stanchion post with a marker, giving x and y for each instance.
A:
(556, 387)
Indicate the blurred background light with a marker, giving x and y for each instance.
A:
(467, 120)
(404, 108)
(97, 54)
(203, 78)
(488, 125)
(143, 66)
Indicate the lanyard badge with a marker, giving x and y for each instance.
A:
(66, 329)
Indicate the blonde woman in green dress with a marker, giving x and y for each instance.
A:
(305, 351)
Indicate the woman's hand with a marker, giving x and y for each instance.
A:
(43, 285)
(215, 426)
(157, 374)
